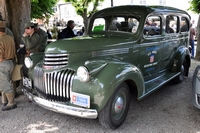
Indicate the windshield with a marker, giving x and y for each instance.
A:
(116, 23)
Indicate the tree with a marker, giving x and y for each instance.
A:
(81, 7)
(42, 8)
(18, 12)
(195, 7)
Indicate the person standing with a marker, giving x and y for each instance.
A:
(43, 38)
(7, 54)
(30, 38)
(67, 32)
(192, 34)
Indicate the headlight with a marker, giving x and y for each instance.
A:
(83, 74)
(28, 62)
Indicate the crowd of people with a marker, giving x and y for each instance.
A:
(35, 40)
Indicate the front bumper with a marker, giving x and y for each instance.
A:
(196, 89)
(60, 108)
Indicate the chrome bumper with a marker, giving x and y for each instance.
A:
(60, 108)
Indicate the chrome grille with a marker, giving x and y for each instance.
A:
(39, 80)
(55, 60)
(53, 86)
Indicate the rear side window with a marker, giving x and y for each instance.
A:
(184, 24)
(152, 26)
(172, 24)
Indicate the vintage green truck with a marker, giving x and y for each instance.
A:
(128, 49)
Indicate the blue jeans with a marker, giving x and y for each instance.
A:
(192, 45)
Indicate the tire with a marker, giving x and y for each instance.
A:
(115, 111)
(180, 78)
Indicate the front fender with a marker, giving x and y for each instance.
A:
(103, 85)
(35, 57)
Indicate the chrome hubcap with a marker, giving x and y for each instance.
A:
(119, 104)
(182, 69)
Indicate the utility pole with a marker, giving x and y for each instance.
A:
(111, 2)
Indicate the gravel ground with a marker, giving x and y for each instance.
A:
(168, 110)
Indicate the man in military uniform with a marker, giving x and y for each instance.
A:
(43, 38)
(30, 38)
(7, 54)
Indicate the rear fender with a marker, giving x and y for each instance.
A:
(182, 55)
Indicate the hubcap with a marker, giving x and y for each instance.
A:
(182, 69)
(119, 104)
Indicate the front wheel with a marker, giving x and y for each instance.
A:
(115, 111)
(180, 78)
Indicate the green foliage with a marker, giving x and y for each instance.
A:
(42, 8)
(81, 6)
(194, 6)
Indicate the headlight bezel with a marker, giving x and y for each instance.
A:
(28, 62)
(83, 74)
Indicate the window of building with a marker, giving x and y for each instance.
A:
(143, 2)
(162, 2)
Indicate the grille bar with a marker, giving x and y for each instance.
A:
(58, 60)
(54, 86)
(59, 85)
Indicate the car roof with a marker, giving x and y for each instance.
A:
(139, 9)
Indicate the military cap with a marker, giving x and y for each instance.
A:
(2, 24)
(28, 24)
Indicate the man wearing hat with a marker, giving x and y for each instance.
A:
(7, 30)
(7, 54)
(43, 38)
(30, 38)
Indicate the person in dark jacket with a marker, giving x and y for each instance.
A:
(67, 32)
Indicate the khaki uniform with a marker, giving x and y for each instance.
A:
(43, 40)
(7, 53)
(31, 42)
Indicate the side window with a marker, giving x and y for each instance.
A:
(152, 26)
(117, 23)
(171, 24)
(184, 24)
(133, 25)
(99, 24)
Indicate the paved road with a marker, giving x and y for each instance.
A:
(168, 110)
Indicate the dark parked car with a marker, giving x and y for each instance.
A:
(92, 76)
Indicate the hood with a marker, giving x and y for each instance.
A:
(85, 43)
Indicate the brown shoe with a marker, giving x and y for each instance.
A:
(6, 108)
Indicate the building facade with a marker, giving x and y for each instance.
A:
(65, 11)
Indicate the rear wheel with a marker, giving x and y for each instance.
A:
(115, 111)
(180, 78)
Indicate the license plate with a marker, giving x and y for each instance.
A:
(80, 99)
(27, 82)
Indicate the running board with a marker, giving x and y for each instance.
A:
(151, 86)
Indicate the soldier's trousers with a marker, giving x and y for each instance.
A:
(6, 68)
